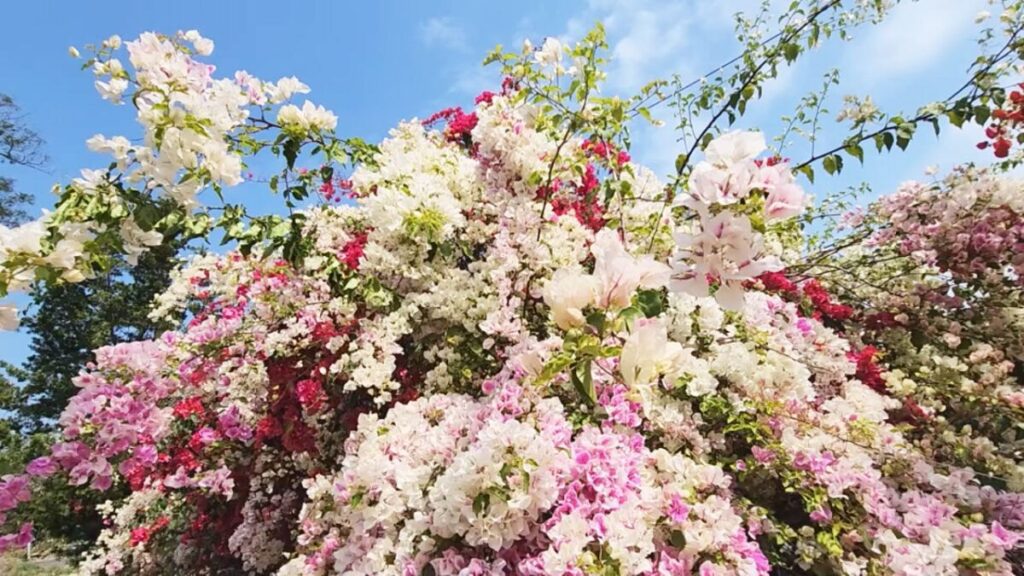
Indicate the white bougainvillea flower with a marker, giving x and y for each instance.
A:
(712, 184)
(567, 294)
(785, 197)
(70, 247)
(203, 46)
(22, 239)
(728, 171)
(112, 90)
(136, 240)
(734, 148)
(620, 274)
(284, 89)
(550, 53)
(306, 118)
(617, 276)
(726, 251)
(648, 354)
(118, 147)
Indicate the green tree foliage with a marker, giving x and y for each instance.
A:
(60, 512)
(19, 146)
(68, 321)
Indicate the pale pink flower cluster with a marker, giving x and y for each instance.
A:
(723, 249)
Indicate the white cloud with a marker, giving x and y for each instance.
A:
(914, 35)
(443, 32)
(657, 147)
(648, 38)
(474, 80)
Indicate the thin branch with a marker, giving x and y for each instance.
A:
(751, 79)
(1006, 51)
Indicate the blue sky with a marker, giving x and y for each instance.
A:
(375, 63)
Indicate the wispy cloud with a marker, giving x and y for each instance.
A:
(913, 36)
(443, 32)
(474, 80)
(658, 38)
(647, 38)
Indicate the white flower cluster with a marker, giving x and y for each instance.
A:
(512, 150)
(617, 275)
(442, 467)
(22, 252)
(724, 248)
(418, 189)
(309, 117)
(189, 119)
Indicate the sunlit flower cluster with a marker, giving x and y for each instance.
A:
(191, 123)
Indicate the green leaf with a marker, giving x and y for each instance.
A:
(583, 381)
(280, 229)
(146, 216)
(879, 142)
(628, 315)
(650, 302)
(481, 503)
(887, 140)
(681, 162)
(906, 130)
(291, 151)
(830, 164)
(791, 51)
(807, 171)
(298, 192)
(598, 320)
(856, 151)
(981, 114)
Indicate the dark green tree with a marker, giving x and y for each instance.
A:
(68, 321)
(58, 511)
(21, 146)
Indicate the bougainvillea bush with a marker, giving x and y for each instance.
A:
(501, 346)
